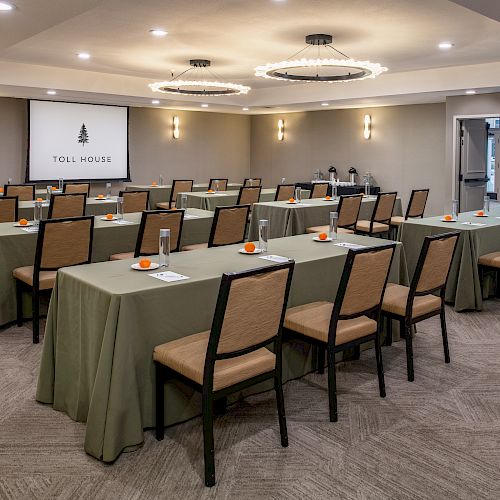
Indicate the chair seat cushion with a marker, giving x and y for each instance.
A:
(364, 227)
(187, 357)
(164, 205)
(196, 246)
(395, 298)
(122, 256)
(397, 220)
(324, 229)
(313, 320)
(25, 274)
(490, 260)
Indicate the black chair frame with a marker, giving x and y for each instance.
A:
(276, 196)
(314, 187)
(172, 190)
(7, 186)
(387, 222)
(210, 184)
(55, 195)
(252, 179)
(16, 209)
(216, 219)
(242, 189)
(137, 191)
(79, 184)
(209, 396)
(339, 209)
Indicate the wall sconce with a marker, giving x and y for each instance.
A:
(367, 131)
(281, 130)
(175, 127)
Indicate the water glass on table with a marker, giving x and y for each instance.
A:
(298, 194)
(184, 199)
(263, 234)
(454, 209)
(49, 192)
(119, 208)
(61, 184)
(164, 248)
(108, 190)
(332, 229)
(486, 205)
(160, 180)
(37, 213)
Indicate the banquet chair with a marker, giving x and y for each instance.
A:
(135, 201)
(319, 190)
(9, 208)
(221, 184)
(410, 305)
(348, 212)
(415, 209)
(255, 181)
(148, 239)
(488, 263)
(232, 355)
(284, 192)
(77, 188)
(67, 205)
(353, 319)
(24, 192)
(379, 223)
(248, 195)
(228, 227)
(178, 186)
(60, 243)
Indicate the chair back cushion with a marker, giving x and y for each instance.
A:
(284, 192)
(249, 195)
(23, 192)
(154, 221)
(179, 186)
(349, 210)
(67, 205)
(252, 182)
(135, 201)
(230, 225)
(221, 183)
(417, 203)
(80, 188)
(320, 189)
(384, 207)
(8, 209)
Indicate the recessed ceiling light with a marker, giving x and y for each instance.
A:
(158, 32)
(245, 109)
(324, 104)
(83, 55)
(445, 45)
(470, 92)
(51, 92)
(155, 101)
(4, 6)
(204, 105)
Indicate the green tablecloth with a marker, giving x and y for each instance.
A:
(464, 286)
(17, 248)
(105, 319)
(286, 219)
(207, 201)
(93, 207)
(161, 194)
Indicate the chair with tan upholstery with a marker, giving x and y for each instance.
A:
(61, 243)
(135, 201)
(218, 184)
(77, 188)
(353, 319)
(489, 263)
(248, 195)
(178, 186)
(415, 209)
(410, 305)
(24, 192)
(148, 239)
(348, 210)
(319, 190)
(255, 181)
(9, 208)
(284, 192)
(232, 355)
(67, 205)
(228, 227)
(379, 224)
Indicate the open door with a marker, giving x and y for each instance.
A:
(473, 178)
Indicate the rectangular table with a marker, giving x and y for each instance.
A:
(464, 286)
(286, 219)
(105, 319)
(17, 248)
(93, 207)
(161, 194)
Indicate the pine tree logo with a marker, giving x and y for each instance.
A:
(83, 138)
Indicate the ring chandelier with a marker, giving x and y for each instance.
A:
(320, 69)
(201, 86)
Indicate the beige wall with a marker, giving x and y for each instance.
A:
(407, 148)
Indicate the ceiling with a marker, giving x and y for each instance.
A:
(39, 42)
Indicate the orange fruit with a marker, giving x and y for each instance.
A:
(249, 247)
(210, 190)
(53, 188)
(154, 184)
(328, 197)
(23, 222)
(109, 216)
(1, 190)
(323, 236)
(448, 217)
(292, 200)
(39, 199)
(145, 263)
(480, 213)
(100, 196)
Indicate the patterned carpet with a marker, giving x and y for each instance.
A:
(436, 438)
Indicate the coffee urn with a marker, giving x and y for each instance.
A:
(333, 174)
(353, 174)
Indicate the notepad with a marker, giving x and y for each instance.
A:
(169, 276)
(275, 258)
(353, 246)
(123, 222)
(31, 229)
(467, 223)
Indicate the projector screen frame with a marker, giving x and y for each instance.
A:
(41, 181)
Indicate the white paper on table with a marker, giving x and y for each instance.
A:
(31, 229)
(191, 216)
(123, 222)
(467, 223)
(169, 276)
(275, 258)
(345, 244)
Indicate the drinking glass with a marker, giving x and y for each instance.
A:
(263, 234)
(61, 184)
(184, 199)
(164, 252)
(334, 191)
(367, 188)
(486, 205)
(108, 190)
(283, 179)
(454, 209)
(37, 215)
(49, 192)
(332, 230)
(119, 208)
(298, 194)
(216, 186)
(160, 180)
